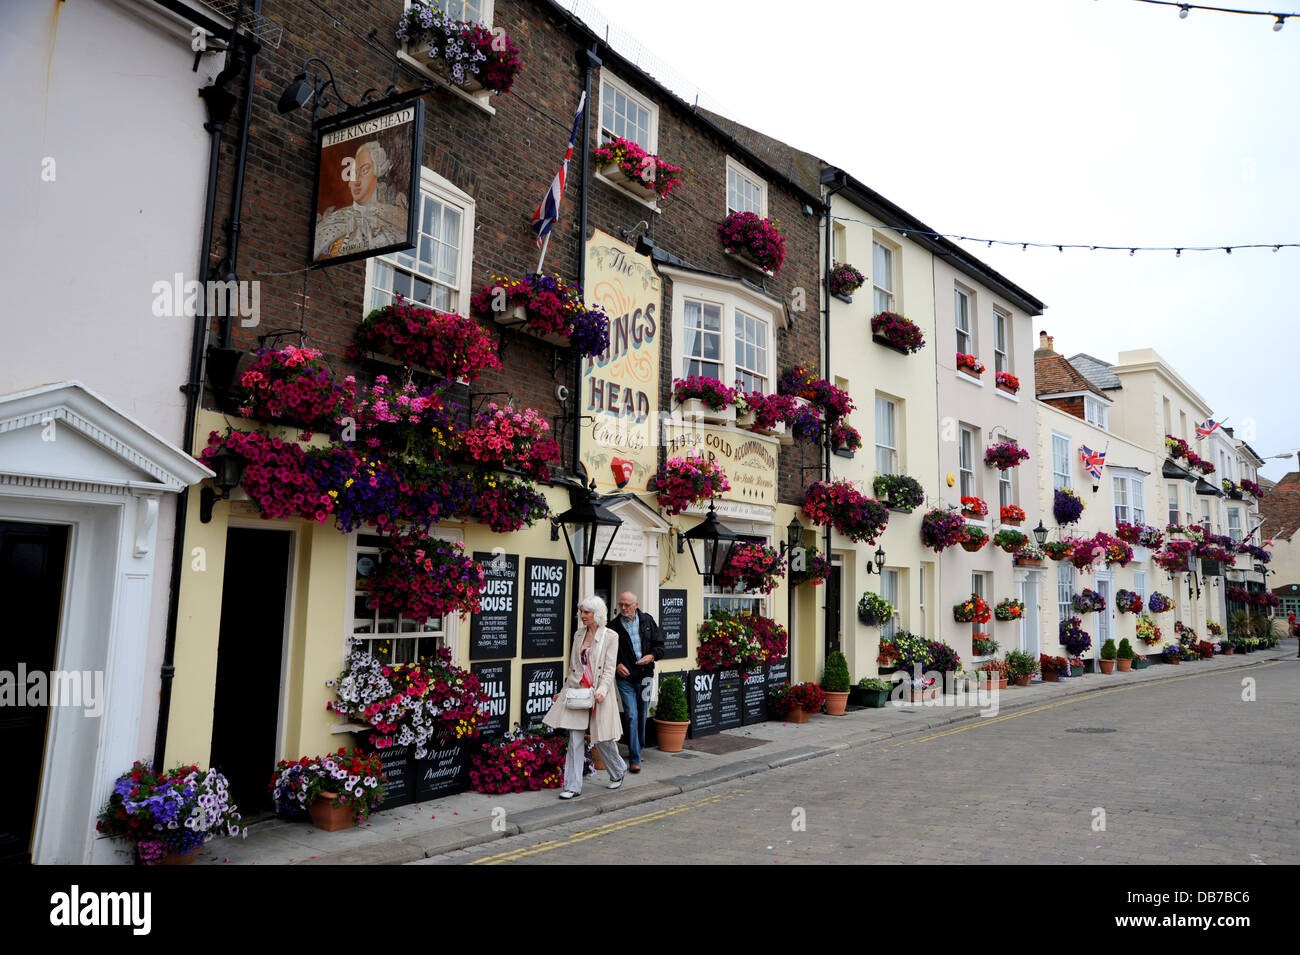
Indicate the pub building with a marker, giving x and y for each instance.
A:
(267, 606)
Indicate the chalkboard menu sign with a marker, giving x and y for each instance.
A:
(754, 705)
(492, 630)
(399, 781)
(702, 694)
(778, 672)
(672, 623)
(544, 581)
(538, 683)
(730, 688)
(494, 678)
(443, 772)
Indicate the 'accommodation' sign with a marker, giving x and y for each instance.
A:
(748, 459)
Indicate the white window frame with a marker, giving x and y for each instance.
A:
(891, 449)
(1207, 517)
(448, 194)
(1001, 348)
(980, 583)
(1127, 491)
(728, 295)
(1174, 514)
(724, 598)
(1140, 585)
(966, 462)
(1096, 413)
(1061, 478)
(763, 376)
(1064, 590)
(890, 587)
(1234, 518)
(1006, 489)
(960, 296)
(735, 168)
(447, 7)
(878, 290)
(608, 81)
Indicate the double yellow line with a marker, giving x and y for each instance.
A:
(606, 829)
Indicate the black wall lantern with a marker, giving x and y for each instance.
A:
(229, 468)
(793, 533)
(880, 562)
(588, 526)
(1040, 533)
(715, 541)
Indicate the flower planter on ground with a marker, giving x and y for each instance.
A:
(797, 715)
(671, 735)
(836, 703)
(328, 814)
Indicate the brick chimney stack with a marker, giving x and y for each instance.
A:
(1044, 344)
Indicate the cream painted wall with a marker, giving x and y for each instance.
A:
(869, 369)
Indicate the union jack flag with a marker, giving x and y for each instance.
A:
(1207, 429)
(1092, 461)
(548, 210)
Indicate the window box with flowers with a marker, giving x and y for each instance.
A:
(766, 414)
(449, 346)
(706, 399)
(974, 508)
(689, 479)
(1230, 489)
(983, 645)
(974, 538)
(974, 610)
(468, 58)
(627, 167)
(1252, 488)
(845, 440)
(753, 240)
(846, 509)
(546, 307)
(896, 332)
(844, 281)
(969, 365)
(1011, 515)
(1004, 455)
(1031, 555)
(941, 529)
(1007, 382)
(1010, 540)
(753, 566)
(899, 492)
(832, 402)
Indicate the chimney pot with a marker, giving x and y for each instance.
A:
(1042, 339)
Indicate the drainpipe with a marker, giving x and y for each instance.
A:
(831, 640)
(237, 201)
(220, 101)
(589, 61)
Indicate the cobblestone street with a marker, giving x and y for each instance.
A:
(1182, 771)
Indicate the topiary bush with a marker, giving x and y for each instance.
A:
(835, 678)
(1125, 651)
(671, 707)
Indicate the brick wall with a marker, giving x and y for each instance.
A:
(505, 162)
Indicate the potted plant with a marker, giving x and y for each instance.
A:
(896, 332)
(753, 240)
(1009, 609)
(995, 673)
(1172, 654)
(873, 609)
(335, 790)
(873, 692)
(835, 681)
(1011, 515)
(1124, 656)
(983, 645)
(689, 479)
(524, 760)
(1009, 540)
(974, 508)
(1052, 667)
(844, 280)
(969, 364)
(672, 717)
(1031, 555)
(169, 815)
(1066, 506)
(704, 398)
(974, 610)
(1007, 382)
(1004, 455)
(941, 529)
(974, 538)
(795, 703)
(844, 438)
(899, 492)
(1108, 654)
(1073, 637)
(1022, 667)
(1226, 648)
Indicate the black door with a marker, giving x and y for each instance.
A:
(31, 591)
(246, 712)
(833, 602)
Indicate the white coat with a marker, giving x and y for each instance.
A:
(604, 724)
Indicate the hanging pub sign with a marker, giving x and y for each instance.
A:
(538, 683)
(544, 584)
(492, 630)
(672, 623)
(367, 196)
(494, 679)
(620, 388)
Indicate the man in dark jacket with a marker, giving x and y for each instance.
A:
(640, 644)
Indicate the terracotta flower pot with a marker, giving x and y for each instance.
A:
(797, 715)
(835, 703)
(1107, 666)
(1010, 522)
(1051, 677)
(1230, 651)
(1125, 664)
(327, 814)
(1174, 660)
(973, 515)
(1022, 681)
(671, 735)
(179, 858)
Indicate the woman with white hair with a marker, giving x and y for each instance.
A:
(587, 703)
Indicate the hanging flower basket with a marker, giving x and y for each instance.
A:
(689, 479)
(846, 509)
(1147, 631)
(941, 529)
(422, 578)
(1010, 540)
(1089, 601)
(873, 609)
(1004, 455)
(646, 175)
(896, 332)
(833, 402)
(899, 491)
(448, 345)
(808, 565)
(974, 610)
(277, 475)
(754, 240)
(505, 504)
(545, 306)
(845, 280)
(1159, 603)
(406, 423)
(1009, 609)
(291, 386)
(1066, 506)
(753, 566)
(1113, 550)
(974, 539)
(512, 438)
(1139, 535)
(1127, 601)
(1058, 550)
(845, 440)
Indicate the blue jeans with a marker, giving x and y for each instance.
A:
(636, 708)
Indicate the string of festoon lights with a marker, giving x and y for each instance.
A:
(1178, 250)
(1279, 19)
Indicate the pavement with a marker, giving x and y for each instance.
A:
(420, 831)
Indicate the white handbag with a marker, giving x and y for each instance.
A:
(580, 698)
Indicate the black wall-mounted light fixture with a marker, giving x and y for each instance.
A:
(1040, 533)
(589, 528)
(879, 562)
(308, 87)
(229, 468)
(715, 541)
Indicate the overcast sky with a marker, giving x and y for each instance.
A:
(1093, 121)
